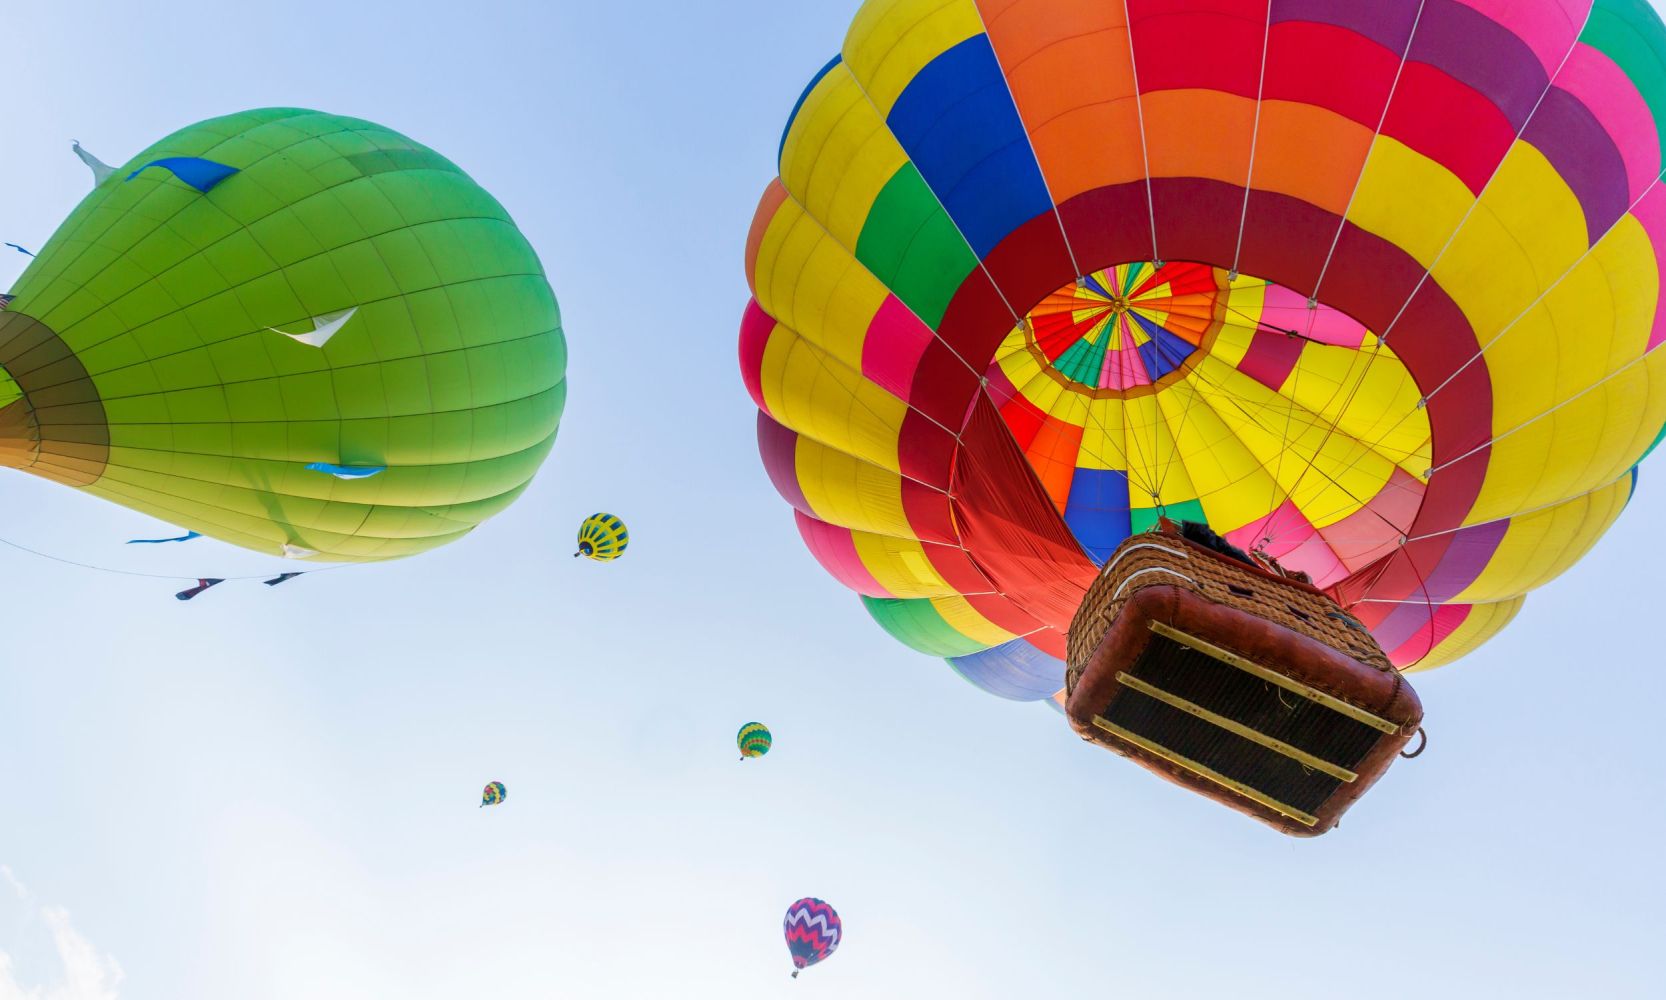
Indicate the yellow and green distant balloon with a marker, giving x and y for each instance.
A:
(300, 333)
(494, 794)
(602, 537)
(754, 740)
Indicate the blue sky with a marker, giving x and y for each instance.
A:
(271, 793)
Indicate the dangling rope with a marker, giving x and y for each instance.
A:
(1030, 142)
(1550, 84)
(1145, 155)
(202, 583)
(1336, 239)
(1255, 135)
(1359, 178)
(1452, 238)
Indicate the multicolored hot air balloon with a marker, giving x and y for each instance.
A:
(1373, 288)
(602, 537)
(300, 333)
(813, 931)
(754, 740)
(494, 794)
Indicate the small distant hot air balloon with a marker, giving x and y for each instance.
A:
(602, 537)
(494, 794)
(813, 930)
(753, 739)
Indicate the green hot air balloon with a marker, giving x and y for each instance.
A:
(300, 333)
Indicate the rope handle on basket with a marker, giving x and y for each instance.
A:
(1348, 620)
(1149, 569)
(1130, 549)
(1422, 745)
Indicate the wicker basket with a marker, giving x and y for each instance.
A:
(1162, 557)
(1244, 683)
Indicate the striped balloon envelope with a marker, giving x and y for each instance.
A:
(1373, 287)
(754, 740)
(812, 930)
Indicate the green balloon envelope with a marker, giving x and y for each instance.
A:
(279, 289)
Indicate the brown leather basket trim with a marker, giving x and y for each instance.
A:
(1171, 605)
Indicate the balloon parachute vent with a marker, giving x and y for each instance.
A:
(1224, 674)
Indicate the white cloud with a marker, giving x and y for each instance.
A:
(81, 973)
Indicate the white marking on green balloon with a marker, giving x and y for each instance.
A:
(323, 328)
(99, 168)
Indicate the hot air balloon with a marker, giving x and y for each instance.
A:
(292, 331)
(1370, 289)
(754, 740)
(494, 794)
(813, 930)
(602, 537)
